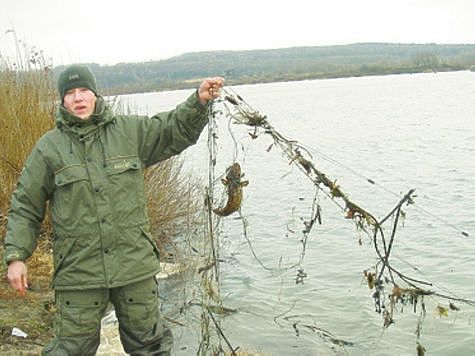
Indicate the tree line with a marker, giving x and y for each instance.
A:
(286, 64)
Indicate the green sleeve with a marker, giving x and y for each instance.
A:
(27, 208)
(169, 133)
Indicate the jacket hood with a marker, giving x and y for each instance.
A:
(66, 121)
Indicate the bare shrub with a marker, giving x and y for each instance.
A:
(173, 202)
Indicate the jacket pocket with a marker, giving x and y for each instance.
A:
(148, 236)
(70, 174)
(121, 164)
(125, 185)
(71, 184)
(61, 249)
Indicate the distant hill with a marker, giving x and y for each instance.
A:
(296, 63)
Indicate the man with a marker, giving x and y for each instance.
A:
(90, 169)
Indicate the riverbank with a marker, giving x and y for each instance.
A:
(33, 314)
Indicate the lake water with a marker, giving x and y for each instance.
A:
(402, 131)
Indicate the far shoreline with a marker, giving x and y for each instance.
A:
(192, 84)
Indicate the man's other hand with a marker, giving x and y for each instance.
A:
(17, 276)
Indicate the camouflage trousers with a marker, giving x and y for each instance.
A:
(78, 320)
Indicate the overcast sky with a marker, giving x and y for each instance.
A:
(112, 31)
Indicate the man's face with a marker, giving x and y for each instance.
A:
(80, 102)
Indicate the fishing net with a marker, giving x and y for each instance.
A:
(392, 288)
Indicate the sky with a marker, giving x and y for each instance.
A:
(113, 31)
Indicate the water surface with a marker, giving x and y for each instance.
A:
(401, 131)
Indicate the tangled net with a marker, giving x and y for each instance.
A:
(391, 288)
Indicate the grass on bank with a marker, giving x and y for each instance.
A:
(28, 102)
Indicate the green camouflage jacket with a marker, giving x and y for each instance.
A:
(91, 172)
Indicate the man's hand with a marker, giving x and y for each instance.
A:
(210, 89)
(17, 276)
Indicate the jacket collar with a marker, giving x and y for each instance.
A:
(68, 122)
